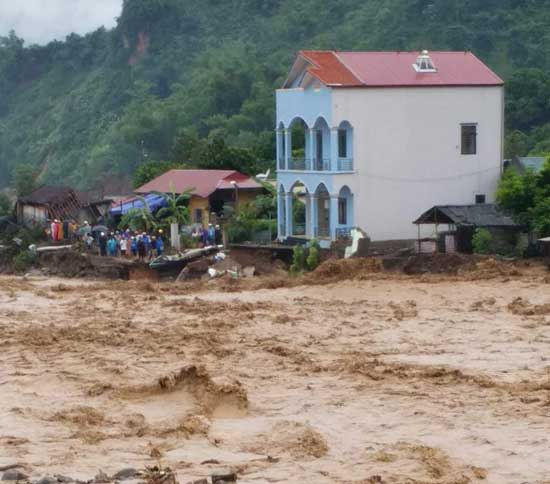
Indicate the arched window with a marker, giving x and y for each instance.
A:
(345, 146)
(298, 144)
(345, 208)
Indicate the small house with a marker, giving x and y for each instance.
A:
(455, 225)
(48, 203)
(210, 192)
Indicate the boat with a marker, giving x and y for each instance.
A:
(175, 263)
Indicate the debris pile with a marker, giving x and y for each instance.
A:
(149, 475)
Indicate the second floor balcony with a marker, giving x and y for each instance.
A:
(315, 149)
(316, 165)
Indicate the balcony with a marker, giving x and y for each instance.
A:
(319, 165)
(345, 164)
(299, 164)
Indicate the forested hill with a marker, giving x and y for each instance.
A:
(176, 71)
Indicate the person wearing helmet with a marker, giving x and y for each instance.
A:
(103, 244)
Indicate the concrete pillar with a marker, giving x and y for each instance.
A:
(279, 147)
(333, 216)
(313, 224)
(280, 215)
(288, 214)
(311, 149)
(334, 149)
(308, 216)
(288, 147)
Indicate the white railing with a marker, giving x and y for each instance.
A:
(345, 164)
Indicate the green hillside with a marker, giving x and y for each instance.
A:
(175, 75)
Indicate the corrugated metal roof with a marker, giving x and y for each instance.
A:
(48, 195)
(154, 202)
(532, 162)
(481, 215)
(395, 69)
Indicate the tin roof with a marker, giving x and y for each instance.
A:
(395, 69)
(534, 163)
(480, 215)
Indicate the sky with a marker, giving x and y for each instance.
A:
(40, 21)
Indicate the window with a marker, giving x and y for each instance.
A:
(469, 139)
(197, 216)
(480, 199)
(342, 143)
(342, 211)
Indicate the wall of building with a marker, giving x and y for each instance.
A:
(202, 204)
(407, 151)
(33, 213)
(308, 104)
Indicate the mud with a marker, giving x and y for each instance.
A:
(351, 374)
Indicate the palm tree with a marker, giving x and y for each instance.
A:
(176, 213)
(176, 210)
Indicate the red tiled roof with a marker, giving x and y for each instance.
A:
(202, 182)
(328, 69)
(395, 69)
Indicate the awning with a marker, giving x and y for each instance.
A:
(154, 202)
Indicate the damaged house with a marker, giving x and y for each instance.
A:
(453, 227)
(62, 203)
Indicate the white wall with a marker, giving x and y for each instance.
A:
(407, 151)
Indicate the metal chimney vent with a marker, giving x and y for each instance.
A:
(424, 63)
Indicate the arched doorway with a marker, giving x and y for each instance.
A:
(322, 198)
(299, 218)
(298, 144)
(345, 208)
(321, 146)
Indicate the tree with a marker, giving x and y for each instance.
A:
(482, 241)
(527, 198)
(6, 205)
(24, 179)
(176, 211)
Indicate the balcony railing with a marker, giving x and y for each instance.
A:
(343, 233)
(325, 164)
(299, 230)
(345, 164)
(321, 232)
(301, 164)
(321, 164)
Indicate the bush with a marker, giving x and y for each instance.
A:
(24, 260)
(482, 241)
(298, 260)
(313, 258)
(6, 206)
(305, 258)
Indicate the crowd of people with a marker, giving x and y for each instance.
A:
(207, 236)
(124, 243)
(62, 230)
(127, 243)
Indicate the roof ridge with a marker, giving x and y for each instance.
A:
(352, 71)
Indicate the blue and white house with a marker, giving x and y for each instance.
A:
(370, 139)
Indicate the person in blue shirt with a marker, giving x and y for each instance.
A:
(211, 234)
(112, 246)
(159, 246)
(134, 247)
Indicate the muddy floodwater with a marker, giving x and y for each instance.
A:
(387, 379)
